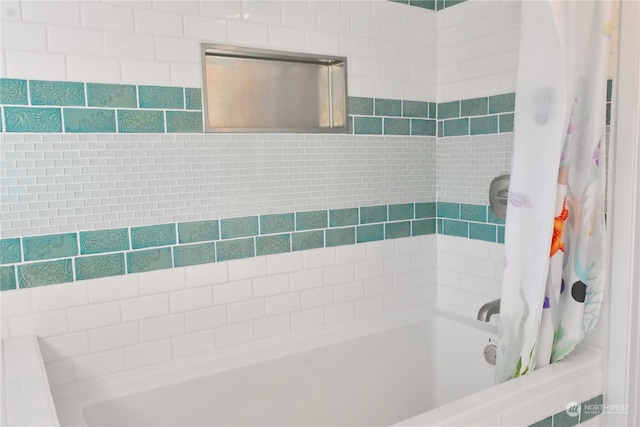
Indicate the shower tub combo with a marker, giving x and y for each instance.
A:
(420, 367)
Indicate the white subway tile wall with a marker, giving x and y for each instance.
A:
(159, 42)
(469, 273)
(129, 330)
(477, 49)
(467, 164)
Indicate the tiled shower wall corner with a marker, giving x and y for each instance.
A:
(461, 58)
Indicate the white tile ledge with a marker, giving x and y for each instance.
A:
(26, 397)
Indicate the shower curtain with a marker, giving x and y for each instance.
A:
(555, 233)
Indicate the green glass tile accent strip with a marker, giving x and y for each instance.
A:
(13, 91)
(396, 230)
(0, 119)
(234, 249)
(415, 109)
(360, 106)
(592, 407)
(161, 97)
(440, 128)
(50, 246)
(56, 93)
(456, 127)
(397, 126)
(111, 95)
(149, 260)
(448, 210)
(200, 253)
(506, 122)
(239, 227)
(425, 4)
(608, 115)
(340, 236)
(370, 233)
(483, 125)
(450, 3)
(184, 121)
(474, 107)
(477, 213)
(343, 217)
(307, 240)
(153, 235)
(7, 278)
(564, 419)
(388, 107)
(456, 228)
(92, 267)
(504, 103)
(32, 119)
(101, 241)
(277, 223)
(192, 98)
(275, 244)
(440, 4)
(486, 232)
(609, 90)
(10, 251)
(367, 125)
(449, 110)
(400, 211)
(547, 422)
(45, 273)
(492, 219)
(426, 210)
(369, 214)
(311, 220)
(433, 110)
(462, 220)
(422, 227)
(423, 127)
(198, 231)
(89, 120)
(136, 121)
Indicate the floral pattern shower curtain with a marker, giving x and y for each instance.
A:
(555, 235)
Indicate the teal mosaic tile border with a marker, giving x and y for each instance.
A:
(55, 106)
(587, 410)
(103, 253)
(485, 115)
(476, 116)
(114, 252)
(380, 116)
(75, 107)
(430, 4)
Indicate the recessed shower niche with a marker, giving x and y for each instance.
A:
(259, 90)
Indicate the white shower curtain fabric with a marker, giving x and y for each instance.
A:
(555, 232)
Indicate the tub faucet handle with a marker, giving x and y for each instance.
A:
(488, 310)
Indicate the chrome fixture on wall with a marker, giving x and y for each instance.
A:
(488, 310)
(499, 195)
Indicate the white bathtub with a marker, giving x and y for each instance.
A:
(414, 369)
